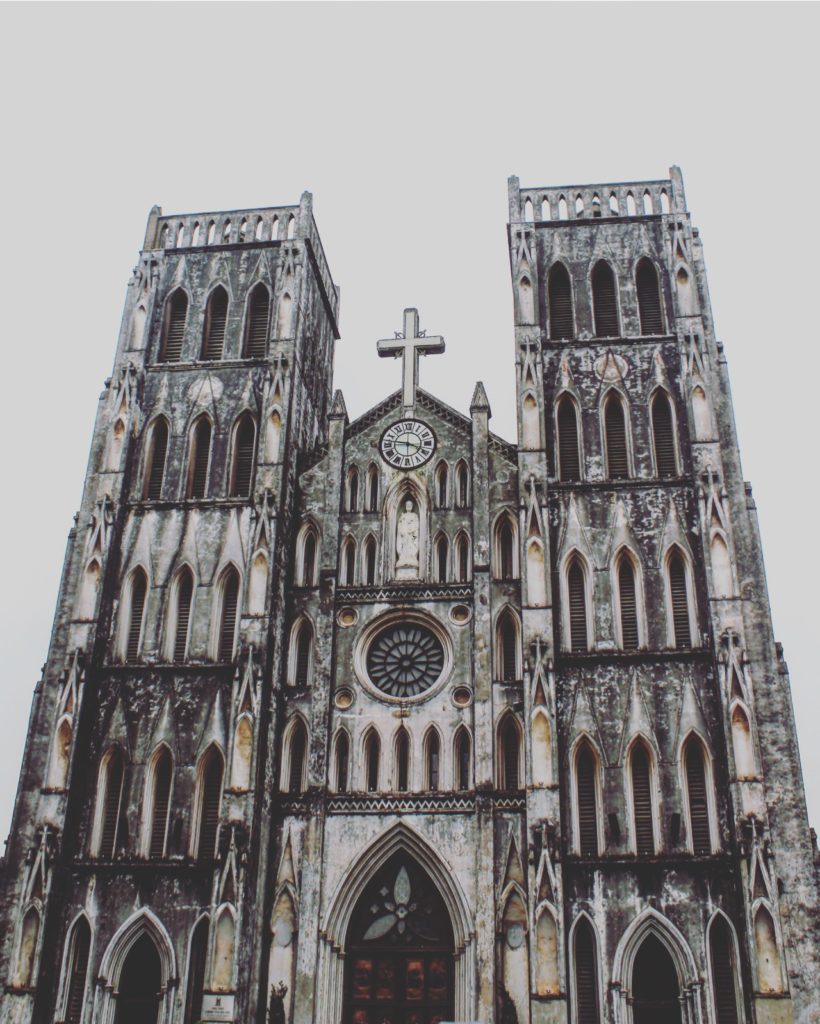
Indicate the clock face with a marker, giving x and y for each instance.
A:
(408, 444)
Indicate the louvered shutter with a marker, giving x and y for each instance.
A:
(723, 975)
(663, 436)
(211, 799)
(139, 586)
(586, 975)
(680, 602)
(185, 590)
(509, 650)
(298, 745)
(617, 463)
(256, 335)
(159, 450)
(216, 318)
(162, 795)
(642, 802)
(569, 457)
(560, 303)
(111, 806)
(577, 607)
(698, 805)
(604, 301)
(510, 753)
(342, 756)
(202, 456)
(227, 625)
(628, 600)
(196, 974)
(78, 971)
(243, 458)
(587, 804)
(175, 327)
(649, 298)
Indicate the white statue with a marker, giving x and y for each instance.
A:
(407, 542)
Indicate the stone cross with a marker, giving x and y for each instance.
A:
(410, 346)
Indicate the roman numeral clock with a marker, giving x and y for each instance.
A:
(407, 444)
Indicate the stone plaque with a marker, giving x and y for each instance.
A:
(217, 1007)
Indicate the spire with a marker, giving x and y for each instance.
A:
(480, 402)
(338, 409)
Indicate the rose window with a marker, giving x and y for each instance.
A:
(405, 659)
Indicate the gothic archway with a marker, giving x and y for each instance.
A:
(139, 991)
(400, 962)
(655, 989)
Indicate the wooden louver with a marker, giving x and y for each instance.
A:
(162, 796)
(663, 436)
(196, 973)
(569, 457)
(509, 649)
(201, 459)
(577, 607)
(209, 810)
(617, 462)
(560, 303)
(80, 942)
(723, 975)
(649, 298)
(586, 975)
(139, 586)
(510, 755)
(156, 468)
(698, 804)
(680, 601)
(628, 602)
(216, 319)
(185, 591)
(227, 624)
(298, 750)
(587, 803)
(175, 317)
(112, 802)
(642, 802)
(244, 443)
(604, 300)
(256, 331)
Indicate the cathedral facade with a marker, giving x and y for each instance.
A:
(392, 721)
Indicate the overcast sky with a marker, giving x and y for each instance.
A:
(404, 121)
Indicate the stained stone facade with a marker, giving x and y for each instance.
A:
(392, 721)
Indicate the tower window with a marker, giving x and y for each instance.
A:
(77, 971)
(586, 975)
(587, 802)
(372, 752)
(432, 757)
(155, 463)
(110, 793)
(628, 604)
(298, 751)
(506, 563)
(352, 489)
(576, 593)
(441, 485)
(200, 458)
(196, 973)
(617, 460)
(303, 639)
(244, 445)
(462, 558)
(701, 839)
(216, 319)
(402, 761)
(176, 313)
(139, 589)
(663, 436)
(679, 595)
(642, 801)
(308, 574)
(184, 595)
(227, 621)
(160, 803)
(348, 562)
(256, 323)
(509, 763)
(210, 786)
(605, 300)
(342, 762)
(373, 489)
(462, 485)
(441, 559)
(721, 949)
(369, 561)
(507, 644)
(559, 292)
(649, 297)
(462, 759)
(569, 456)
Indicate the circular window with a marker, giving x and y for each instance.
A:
(347, 617)
(344, 699)
(462, 695)
(405, 659)
(460, 614)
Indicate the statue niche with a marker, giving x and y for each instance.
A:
(406, 528)
(407, 542)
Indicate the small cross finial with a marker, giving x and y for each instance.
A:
(410, 346)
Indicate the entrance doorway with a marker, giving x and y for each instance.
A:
(655, 989)
(400, 950)
(140, 983)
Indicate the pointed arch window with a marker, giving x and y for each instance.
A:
(176, 314)
(342, 762)
(307, 576)
(402, 761)
(110, 803)
(679, 599)
(649, 297)
(183, 595)
(509, 762)
(605, 300)
(461, 558)
(216, 319)
(577, 605)
(462, 758)
(642, 801)
(506, 541)
(462, 485)
(369, 561)
(256, 322)
(697, 797)
(559, 291)
(197, 959)
(441, 551)
(507, 647)
(587, 797)
(442, 473)
(432, 761)
(628, 604)
(373, 489)
(663, 436)
(160, 802)
(228, 614)
(372, 754)
(615, 437)
(77, 971)
(348, 573)
(200, 458)
(243, 453)
(569, 454)
(155, 462)
(139, 989)
(352, 490)
(211, 774)
(586, 974)
(136, 614)
(724, 972)
(301, 662)
(298, 758)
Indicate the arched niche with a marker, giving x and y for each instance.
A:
(404, 490)
(547, 977)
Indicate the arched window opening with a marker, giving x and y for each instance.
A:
(441, 558)
(260, 225)
(155, 462)
(694, 760)
(569, 455)
(372, 754)
(647, 202)
(642, 801)
(506, 567)
(724, 992)
(528, 214)
(243, 230)
(342, 762)
(510, 754)
(617, 458)
(507, 643)
(462, 758)
(195, 234)
(579, 206)
(352, 503)
(462, 485)
(432, 761)
(369, 559)
(291, 226)
(210, 798)
(256, 322)
(133, 634)
(308, 574)
(563, 210)
(184, 592)
(545, 209)
(655, 988)
(303, 639)
(242, 754)
(197, 959)
(769, 973)
(586, 974)
(462, 559)
(176, 314)
(110, 803)
(29, 933)
(274, 229)
(631, 209)
(559, 294)
(679, 596)
(402, 761)
(663, 436)
(373, 489)
(160, 803)
(628, 601)
(649, 297)
(613, 204)
(441, 485)
(742, 744)
(284, 319)
(77, 971)
(140, 985)
(664, 201)
(577, 598)
(348, 562)
(526, 304)
(216, 319)
(228, 614)
(298, 754)
(596, 205)
(226, 232)
(200, 458)
(605, 300)
(211, 233)
(243, 452)
(587, 795)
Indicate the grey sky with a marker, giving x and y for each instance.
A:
(404, 121)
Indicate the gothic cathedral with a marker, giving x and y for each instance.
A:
(393, 721)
